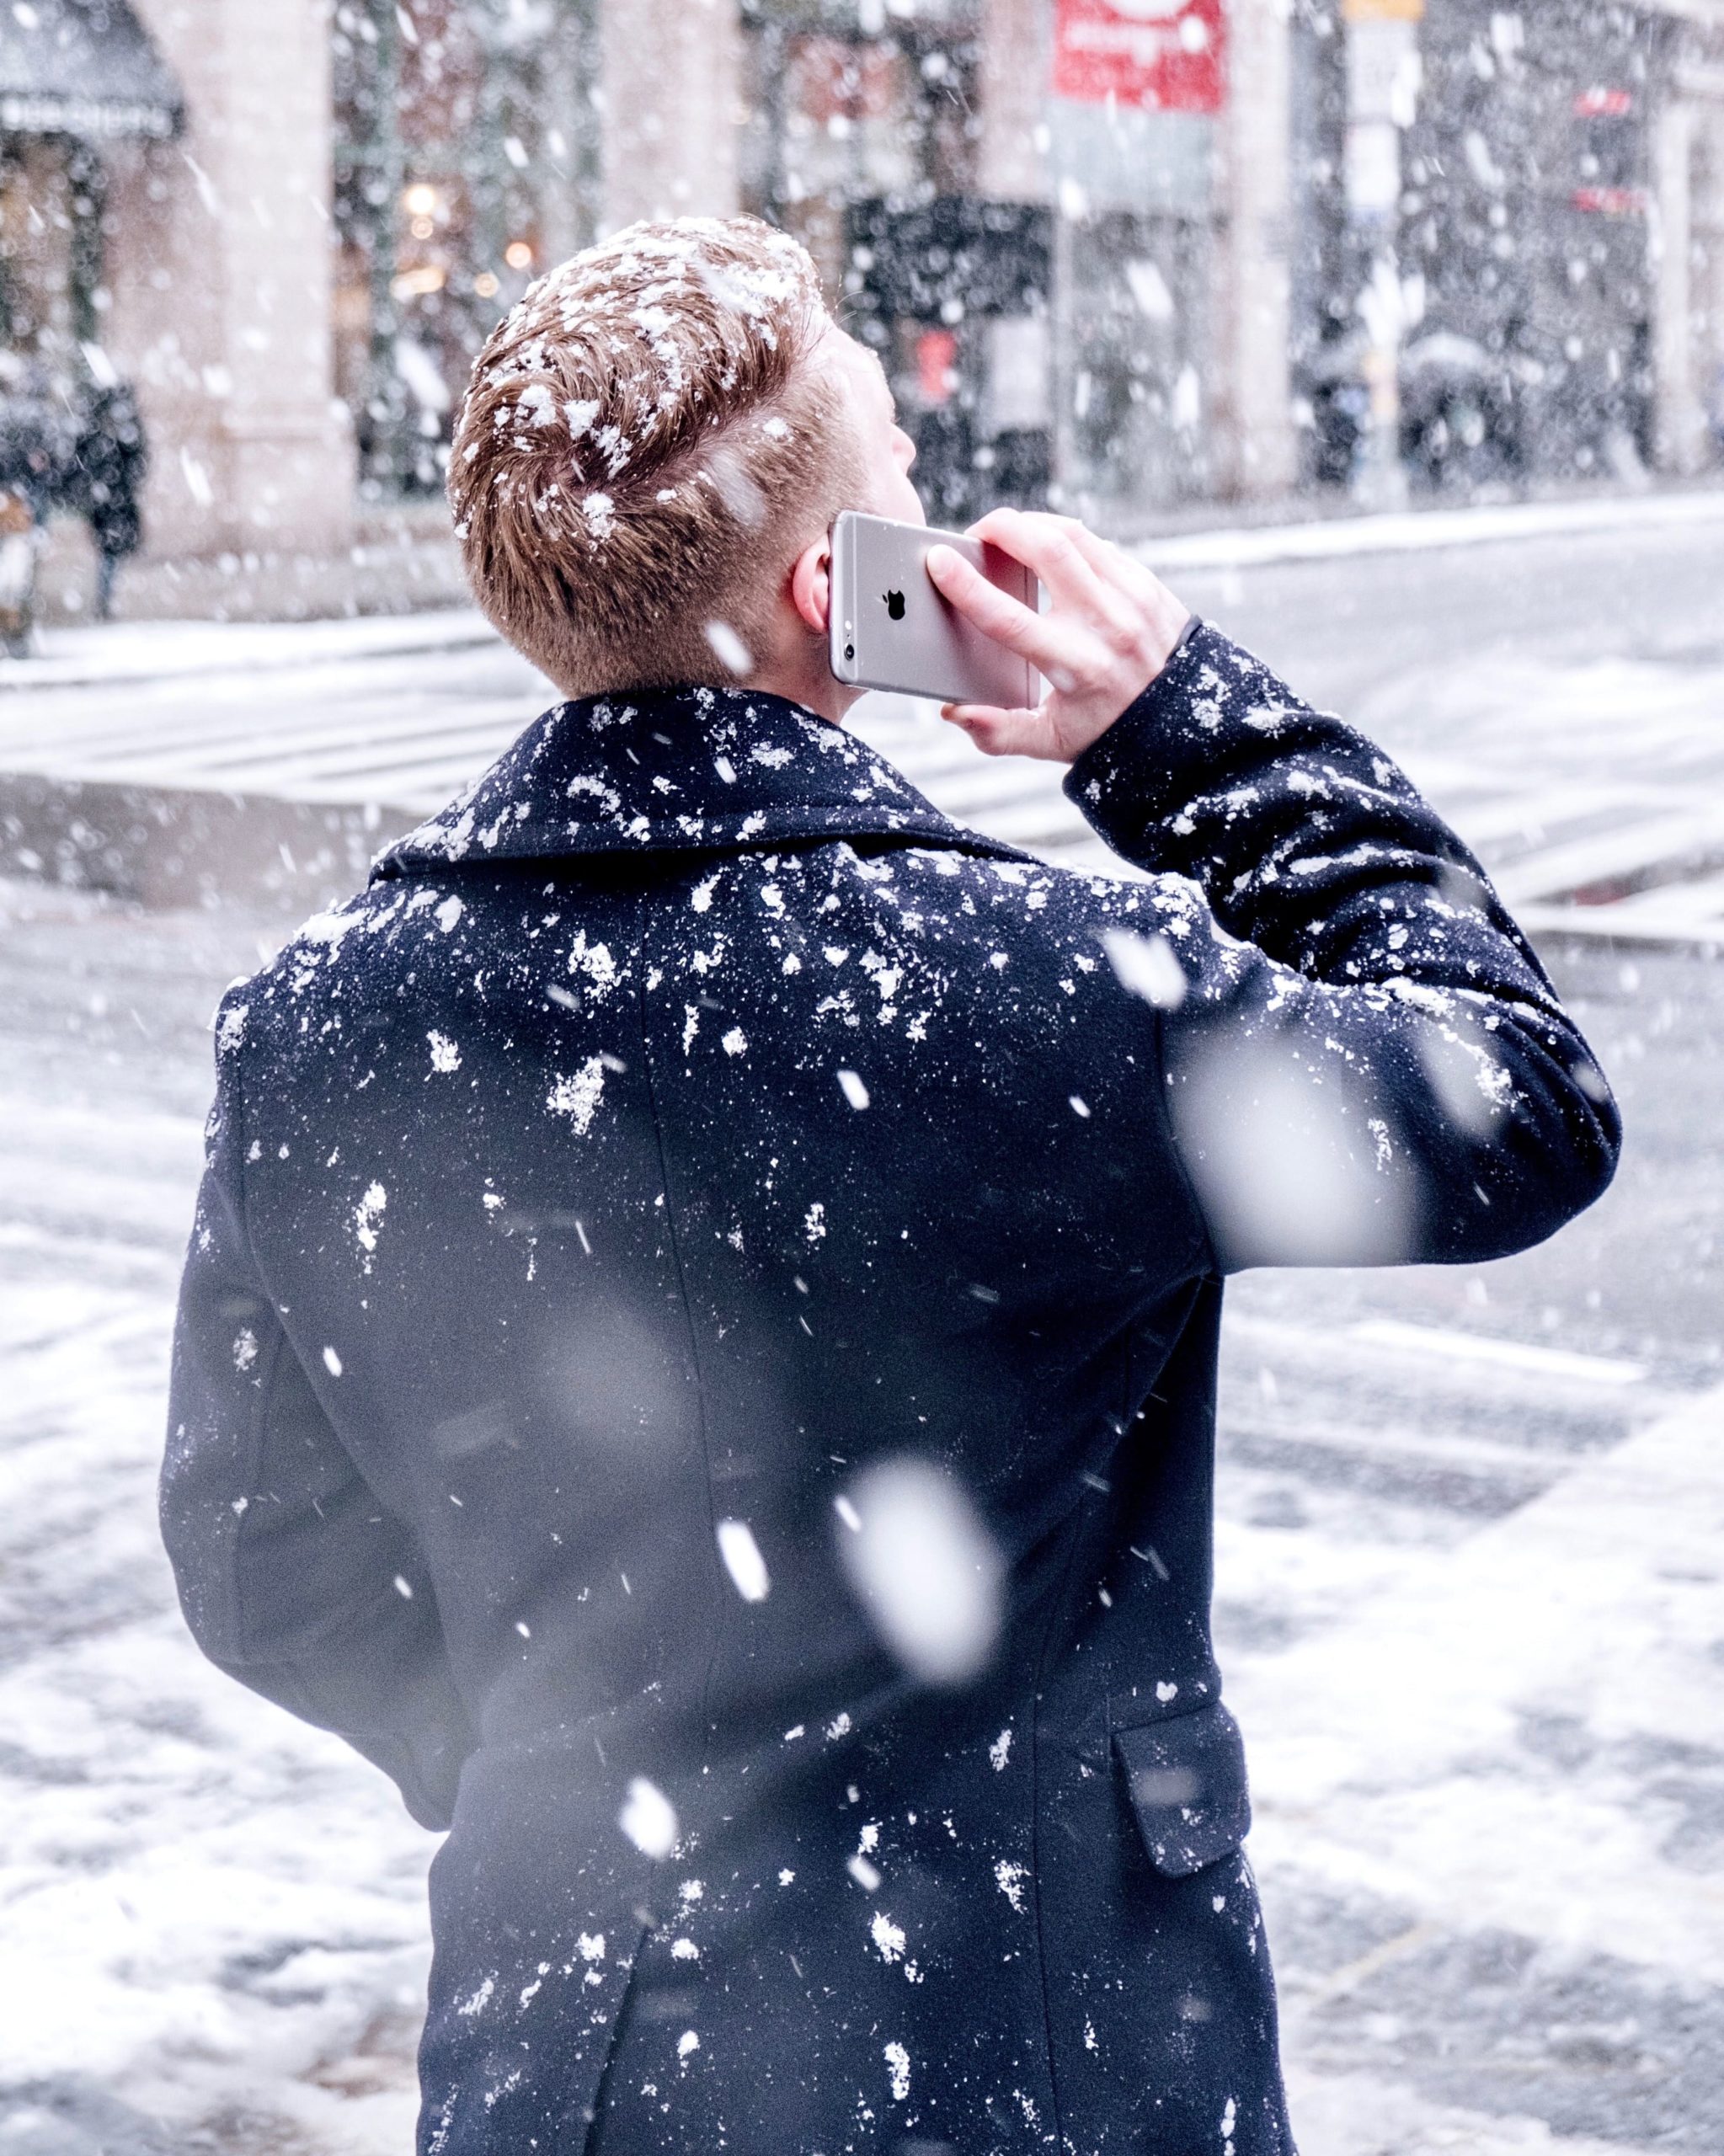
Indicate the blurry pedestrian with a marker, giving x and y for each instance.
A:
(35, 451)
(112, 462)
(18, 572)
(64, 445)
(698, 1349)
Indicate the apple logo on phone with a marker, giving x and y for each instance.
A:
(894, 604)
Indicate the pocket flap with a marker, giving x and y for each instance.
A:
(1187, 1781)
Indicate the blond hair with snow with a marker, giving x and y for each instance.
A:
(643, 451)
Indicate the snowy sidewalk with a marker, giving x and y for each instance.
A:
(211, 1919)
(1506, 1772)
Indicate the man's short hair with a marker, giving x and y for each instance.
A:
(642, 454)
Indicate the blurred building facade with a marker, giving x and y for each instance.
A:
(1529, 218)
(1128, 256)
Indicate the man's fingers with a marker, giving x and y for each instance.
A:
(1115, 564)
(999, 733)
(1048, 646)
(1165, 611)
(1074, 565)
(1043, 543)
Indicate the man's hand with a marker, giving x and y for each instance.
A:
(1108, 633)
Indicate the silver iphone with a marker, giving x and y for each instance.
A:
(890, 628)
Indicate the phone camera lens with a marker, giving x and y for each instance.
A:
(849, 651)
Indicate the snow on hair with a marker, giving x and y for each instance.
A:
(641, 451)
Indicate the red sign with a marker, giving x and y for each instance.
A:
(1157, 55)
(1611, 202)
(936, 365)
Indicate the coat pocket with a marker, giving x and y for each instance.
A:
(1186, 1780)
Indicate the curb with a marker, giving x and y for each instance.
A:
(162, 847)
(206, 648)
(1425, 531)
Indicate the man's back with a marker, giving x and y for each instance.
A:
(699, 1357)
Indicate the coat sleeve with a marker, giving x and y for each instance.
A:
(1364, 1062)
(293, 1577)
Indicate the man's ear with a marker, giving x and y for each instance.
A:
(811, 585)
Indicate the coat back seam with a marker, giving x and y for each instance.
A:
(721, 1611)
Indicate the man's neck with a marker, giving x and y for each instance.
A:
(808, 682)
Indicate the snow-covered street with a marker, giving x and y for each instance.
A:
(1556, 691)
(1468, 1568)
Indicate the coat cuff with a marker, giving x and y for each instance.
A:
(1117, 781)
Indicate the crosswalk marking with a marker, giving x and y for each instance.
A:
(1481, 1348)
(1603, 857)
(1450, 1423)
(1449, 1472)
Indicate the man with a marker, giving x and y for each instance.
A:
(698, 1350)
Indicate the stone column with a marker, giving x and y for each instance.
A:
(1011, 161)
(1679, 423)
(1256, 448)
(220, 258)
(670, 117)
(569, 201)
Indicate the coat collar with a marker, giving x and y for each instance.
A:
(676, 771)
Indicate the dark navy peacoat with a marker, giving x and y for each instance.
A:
(689, 1127)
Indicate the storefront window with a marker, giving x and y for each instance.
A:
(50, 249)
(865, 143)
(463, 167)
(849, 102)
